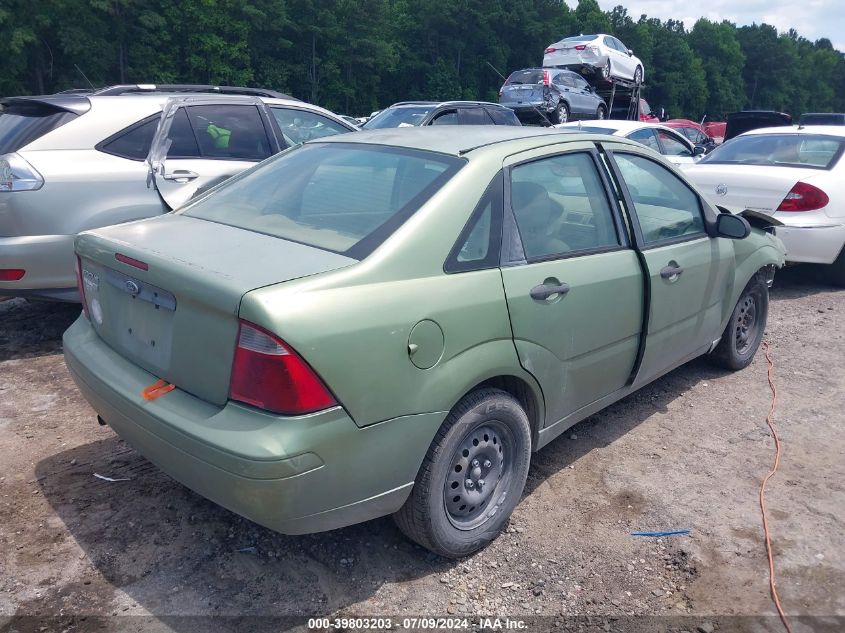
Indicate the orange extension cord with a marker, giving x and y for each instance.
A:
(770, 422)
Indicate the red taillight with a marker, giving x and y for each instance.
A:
(580, 47)
(268, 374)
(551, 49)
(804, 197)
(81, 286)
(546, 78)
(11, 274)
(131, 261)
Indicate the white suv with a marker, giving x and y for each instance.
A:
(75, 161)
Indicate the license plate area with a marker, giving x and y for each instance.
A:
(138, 319)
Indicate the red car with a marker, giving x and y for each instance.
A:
(646, 114)
(695, 132)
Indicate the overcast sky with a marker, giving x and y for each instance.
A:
(812, 19)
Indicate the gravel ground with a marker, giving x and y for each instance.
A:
(687, 452)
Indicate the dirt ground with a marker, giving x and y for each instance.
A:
(688, 452)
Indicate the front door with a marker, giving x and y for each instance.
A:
(688, 270)
(201, 142)
(573, 284)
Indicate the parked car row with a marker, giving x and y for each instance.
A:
(212, 266)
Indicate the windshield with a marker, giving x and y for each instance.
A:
(782, 150)
(525, 77)
(21, 124)
(394, 117)
(341, 197)
(580, 38)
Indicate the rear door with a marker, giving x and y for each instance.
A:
(688, 270)
(202, 141)
(573, 284)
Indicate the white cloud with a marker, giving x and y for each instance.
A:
(813, 19)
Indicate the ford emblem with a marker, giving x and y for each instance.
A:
(721, 189)
(132, 287)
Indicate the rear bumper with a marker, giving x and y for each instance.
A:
(812, 243)
(49, 264)
(295, 475)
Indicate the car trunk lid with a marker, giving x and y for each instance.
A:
(737, 187)
(168, 290)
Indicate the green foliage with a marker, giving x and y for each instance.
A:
(356, 56)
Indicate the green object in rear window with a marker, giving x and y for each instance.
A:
(344, 198)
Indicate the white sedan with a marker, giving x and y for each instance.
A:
(794, 174)
(601, 55)
(675, 147)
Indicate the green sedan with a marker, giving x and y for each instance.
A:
(392, 321)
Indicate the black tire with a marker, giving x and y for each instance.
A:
(638, 75)
(745, 328)
(601, 113)
(836, 271)
(560, 113)
(484, 425)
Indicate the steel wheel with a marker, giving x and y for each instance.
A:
(480, 475)
(747, 325)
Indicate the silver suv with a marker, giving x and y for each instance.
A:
(76, 161)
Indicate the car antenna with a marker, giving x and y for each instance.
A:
(84, 77)
(495, 70)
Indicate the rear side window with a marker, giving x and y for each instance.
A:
(561, 207)
(474, 116)
(341, 197)
(233, 132)
(503, 116)
(23, 123)
(298, 126)
(133, 142)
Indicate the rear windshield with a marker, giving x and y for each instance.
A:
(23, 123)
(394, 117)
(525, 77)
(782, 150)
(580, 38)
(342, 197)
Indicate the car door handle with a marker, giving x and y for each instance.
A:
(542, 292)
(181, 175)
(670, 271)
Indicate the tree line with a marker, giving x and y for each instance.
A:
(355, 56)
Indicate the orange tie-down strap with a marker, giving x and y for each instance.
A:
(157, 389)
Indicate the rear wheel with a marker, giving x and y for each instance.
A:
(745, 329)
(836, 271)
(606, 70)
(560, 113)
(472, 476)
(638, 75)
(601, 113)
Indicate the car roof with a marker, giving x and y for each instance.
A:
(828, 130)
(459, 140)
(403, 104)
(613, 124)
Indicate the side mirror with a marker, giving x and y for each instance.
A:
(732, 226)
(630, 52)
(699, 150)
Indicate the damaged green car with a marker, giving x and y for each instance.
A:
(393, 321)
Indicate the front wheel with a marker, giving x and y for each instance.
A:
(560, 113)
(745, 329)
(472, 476)
(606, 70)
